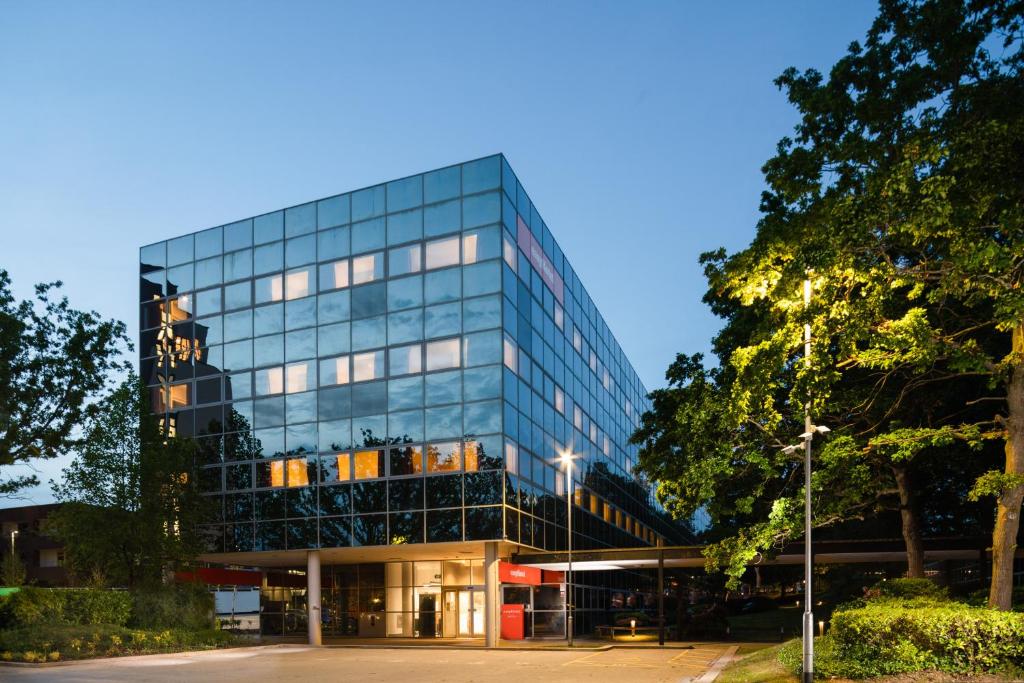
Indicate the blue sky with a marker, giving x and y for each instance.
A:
(638, 129)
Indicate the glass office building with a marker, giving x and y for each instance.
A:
(394, 368)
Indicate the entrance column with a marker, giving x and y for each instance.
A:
(492, 590)
(313, 595)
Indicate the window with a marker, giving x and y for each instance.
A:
(269, 289)
(481, 244)
(444, 457)
(577, 417)
(369, 464)
(297, 283)
(180, 396)
(577, 340)
(298, 472)
(509, 353)
(406, 360)
(559, 401)
(334, 275)
(508, 252)
(335, 468)
(269, 381)
(367, 268)
(443, 354)
(367, 366)
(334, 371)
(299, 377)
(404, 260)
(441, 253)
(511, 457)
(406, 460)
(559, 317)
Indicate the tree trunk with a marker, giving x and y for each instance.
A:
(909, 522)
(1008, 503)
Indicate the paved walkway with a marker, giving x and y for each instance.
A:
(302, 663)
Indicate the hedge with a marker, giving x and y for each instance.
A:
(882, 639)
(35, 606)
(52, 643)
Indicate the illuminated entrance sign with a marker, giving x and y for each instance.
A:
(516, 573)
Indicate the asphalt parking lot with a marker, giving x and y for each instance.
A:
(301, 663)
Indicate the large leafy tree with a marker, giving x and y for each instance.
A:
(132, 507)
(54, 360)
(902, 197)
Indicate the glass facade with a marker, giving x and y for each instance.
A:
(398, 364)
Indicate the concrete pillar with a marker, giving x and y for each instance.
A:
(492, 594)
(313, 595)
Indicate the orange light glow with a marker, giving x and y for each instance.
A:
(298, 473)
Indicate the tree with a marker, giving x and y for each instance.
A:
(12, 570)
(53, 361)
(132, 507)
(902, 198)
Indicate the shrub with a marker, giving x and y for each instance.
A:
(48, 642)
(178, 606)
(31, 606)
(910, 589)
(882, 639)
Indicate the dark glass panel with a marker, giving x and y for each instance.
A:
(302, 502)
(369, 399)
(483, 524)
(212, 538)
(335, 532)
(369, 300)
(208, 450)
(302, 533)
(444, 491)
(210, 479)
(184, 423)
(336, 500)
(210, 420)
(369, 530)
(406, 460)
(483, 488)
(270, 536)
(405, 494)
(238, 538)
(369, 496)
(406, 527)
(335, 403)
(208, 390)
(241, 445)
(238, 507)
(512, 524)
(444, 525)
(270, 504)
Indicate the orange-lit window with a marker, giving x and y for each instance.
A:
(469, 249)
(336, 468)
(298, 473)
(578, 496)
(297, 283)
(157, 399)
(618, 518)
(180, 396)
(471, 449)
(369, 464)
(609, 514)
(444, 457)
(277, 473)
(595, 504)
(180, 308)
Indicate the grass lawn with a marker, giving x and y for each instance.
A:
(768, 625)
(54, 643)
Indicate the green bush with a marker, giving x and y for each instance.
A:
(910, 589)
(32, 606)
(882, 639)
(49, 642)
(187, 605)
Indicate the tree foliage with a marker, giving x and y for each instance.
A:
(901, 196)
(53, 360)
(131, 502)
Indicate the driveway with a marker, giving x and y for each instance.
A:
(301, 663)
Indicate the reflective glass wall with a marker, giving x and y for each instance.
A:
(363, 369)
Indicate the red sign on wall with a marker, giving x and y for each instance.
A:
(513, 618)
(540, 261)
(517, 573)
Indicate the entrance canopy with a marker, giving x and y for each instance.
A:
(825, 552)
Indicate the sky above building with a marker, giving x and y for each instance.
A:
(639, 130)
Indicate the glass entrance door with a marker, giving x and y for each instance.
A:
(463, 614)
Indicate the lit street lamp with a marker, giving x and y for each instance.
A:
(566, 457)
(13, 534)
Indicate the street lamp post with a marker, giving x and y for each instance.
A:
(566, 459)
(809, 431)
(14, 533)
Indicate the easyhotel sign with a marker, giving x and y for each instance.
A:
(517, 573)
